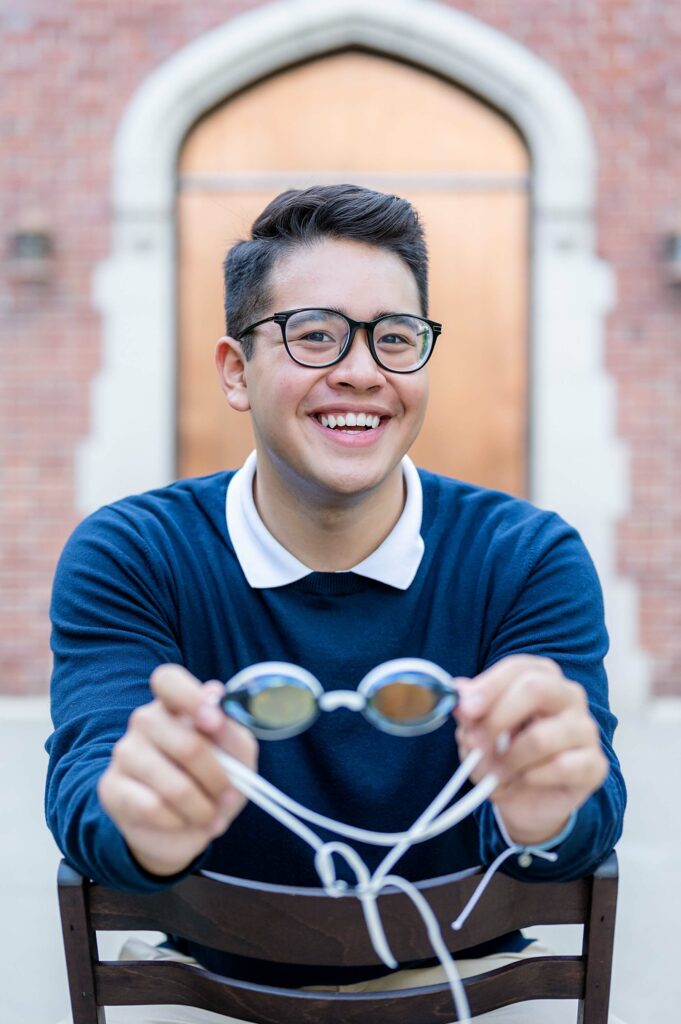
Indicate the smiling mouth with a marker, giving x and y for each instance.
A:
(350, 422)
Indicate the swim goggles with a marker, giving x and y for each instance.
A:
(276, 700)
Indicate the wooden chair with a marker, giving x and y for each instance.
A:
(305, 926)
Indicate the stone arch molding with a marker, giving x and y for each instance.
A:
(577, 464)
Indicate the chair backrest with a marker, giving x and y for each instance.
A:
(304, 926)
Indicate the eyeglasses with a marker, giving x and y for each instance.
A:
(398, 342)
(405, 697)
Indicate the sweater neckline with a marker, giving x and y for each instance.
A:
(332, 584)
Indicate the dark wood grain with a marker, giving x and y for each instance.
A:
(241, 919)
(183, 984)
(598, 944)
(80, 946)
(288, 925)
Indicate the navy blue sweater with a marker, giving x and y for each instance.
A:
(155, 578)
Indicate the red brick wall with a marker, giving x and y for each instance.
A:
(68, 72)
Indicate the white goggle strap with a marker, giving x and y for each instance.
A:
(238, 772)
(368, 888)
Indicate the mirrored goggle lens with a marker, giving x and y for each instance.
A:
(272, 704)
(411, 700)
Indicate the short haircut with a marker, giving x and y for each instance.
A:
(303, 217)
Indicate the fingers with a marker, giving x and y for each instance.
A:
(538, 736)
(166, 748)
(178, 689)
(545, 738)
(126, 799)
(578, 770)
(478, 696)
(533, 693)
(523, 688)
(182, 745)
(164, 787)
(179, 790)
(182, 695)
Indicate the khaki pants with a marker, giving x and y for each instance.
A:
(538, 1011)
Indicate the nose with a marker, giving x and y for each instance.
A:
(358, 368)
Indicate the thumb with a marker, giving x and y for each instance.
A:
(473, 700)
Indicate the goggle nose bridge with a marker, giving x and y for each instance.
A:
(333, 699)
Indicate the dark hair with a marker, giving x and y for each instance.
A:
(302, 217)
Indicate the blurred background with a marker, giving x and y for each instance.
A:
(540, 141)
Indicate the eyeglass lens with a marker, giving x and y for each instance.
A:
(315, 337)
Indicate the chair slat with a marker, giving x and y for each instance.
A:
(184, 984)
(238, 918)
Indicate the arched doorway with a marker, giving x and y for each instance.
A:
(582, 472)
(466, 170)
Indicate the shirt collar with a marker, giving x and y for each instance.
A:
(266, 563)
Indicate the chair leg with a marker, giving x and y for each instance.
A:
(599, 936)
(80, 947)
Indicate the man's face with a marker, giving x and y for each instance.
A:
(287, 401)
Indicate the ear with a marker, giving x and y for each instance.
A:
(231, 366)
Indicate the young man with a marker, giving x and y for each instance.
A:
(327, 550)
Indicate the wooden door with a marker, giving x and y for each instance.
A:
(373, 121)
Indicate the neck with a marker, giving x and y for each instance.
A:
(331, 535)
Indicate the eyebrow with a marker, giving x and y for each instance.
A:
(376, 316)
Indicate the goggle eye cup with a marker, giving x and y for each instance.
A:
(272, 706)
(409, 703)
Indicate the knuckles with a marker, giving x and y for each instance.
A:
(539, 744)
(188, 748)
(533, 684)
(602, 769)
(577, 695)
(592, 733)
(141, 717)
(179, 791)
(123, 750)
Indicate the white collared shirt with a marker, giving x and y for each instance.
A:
(266, 563)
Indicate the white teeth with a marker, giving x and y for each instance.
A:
(350, 419)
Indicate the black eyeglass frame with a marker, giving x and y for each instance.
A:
(353, 325)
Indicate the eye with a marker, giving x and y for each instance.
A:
(315, 328)
(395, 339)
(317, 337)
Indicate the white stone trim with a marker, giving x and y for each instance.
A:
(578, 465)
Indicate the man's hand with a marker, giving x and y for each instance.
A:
(538, 736)
(164, 787)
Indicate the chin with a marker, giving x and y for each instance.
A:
(351, 484)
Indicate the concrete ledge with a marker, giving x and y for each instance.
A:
(25, 709)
